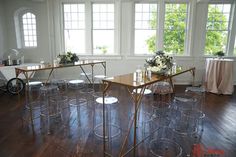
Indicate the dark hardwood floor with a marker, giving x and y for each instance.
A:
(76, 138)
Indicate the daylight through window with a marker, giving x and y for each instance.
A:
(145, 28)
(74, 28)
(29, 30)
(217, 28)
(175, 28)
(103, 28)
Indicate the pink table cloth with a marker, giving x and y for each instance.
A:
(219, 76)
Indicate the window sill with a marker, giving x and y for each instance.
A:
(148, 56)
(101, 57)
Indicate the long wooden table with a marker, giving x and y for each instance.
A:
(131, 83)
(28, 72)
(25, 70)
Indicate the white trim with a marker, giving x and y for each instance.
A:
(88, 28)
(160, 25)
(101, 57)
(187, 40)
(89, 23)
(228, 29)
(19, 27)
(132, 38)
(232, 35)
(221, 1)
(191, 28)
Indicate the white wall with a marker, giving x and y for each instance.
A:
(40, 8)
(49, 39)
(3, 36)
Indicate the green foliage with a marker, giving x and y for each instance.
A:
(174, 29)
(219, 53)
(103, 49)
(68, 58)
(174, 33)
(215, 40)
(151, 42)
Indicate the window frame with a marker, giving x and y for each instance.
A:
(89, 26)
(160, 25)
(92, 29)
(134, 29)
(18, 21)
(229, 29)
(187, 25)
(63, 25)
(22, 28)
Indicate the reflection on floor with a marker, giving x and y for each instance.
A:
(74, 135)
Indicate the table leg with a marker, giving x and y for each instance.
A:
(105, 69)
(193, 73)
(137, 97)
(27, 97)
(92, 65)
(49, 76)
(172, 85)
(85, 74)
(105, 88)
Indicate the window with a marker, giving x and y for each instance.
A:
(103, 28)
(217, 28)
(74, 28)
(175, 28)
(29, 30)
(145, 28)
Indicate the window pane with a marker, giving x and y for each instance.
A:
(102, 15)
(29, 30)
(175, 28)
(145, 28)
(142, 37)
(103, 28)
(217, 28)
(103, 41)
(74, 28)
(75, 41)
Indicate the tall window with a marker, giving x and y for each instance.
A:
(103, 28)
(175, 28)
(29, 30)
(74, 27)
(217, 28)
(145, 28)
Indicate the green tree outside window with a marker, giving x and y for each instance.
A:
(175, 29)
(217, 30)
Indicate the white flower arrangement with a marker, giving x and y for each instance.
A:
(160, 63)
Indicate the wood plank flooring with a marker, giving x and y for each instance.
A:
(76, 137)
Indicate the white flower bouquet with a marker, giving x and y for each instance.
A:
(160, 63)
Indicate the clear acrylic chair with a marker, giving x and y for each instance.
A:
(164, 144)
(163, 89)
(112, 121)
(33, 102)
(98, 79)
(52, 111)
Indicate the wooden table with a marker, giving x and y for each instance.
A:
(25, 70)
(28, 72)
(129, 81)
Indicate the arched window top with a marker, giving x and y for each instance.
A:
(29, 29)
(28, 15)
(26, 31)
